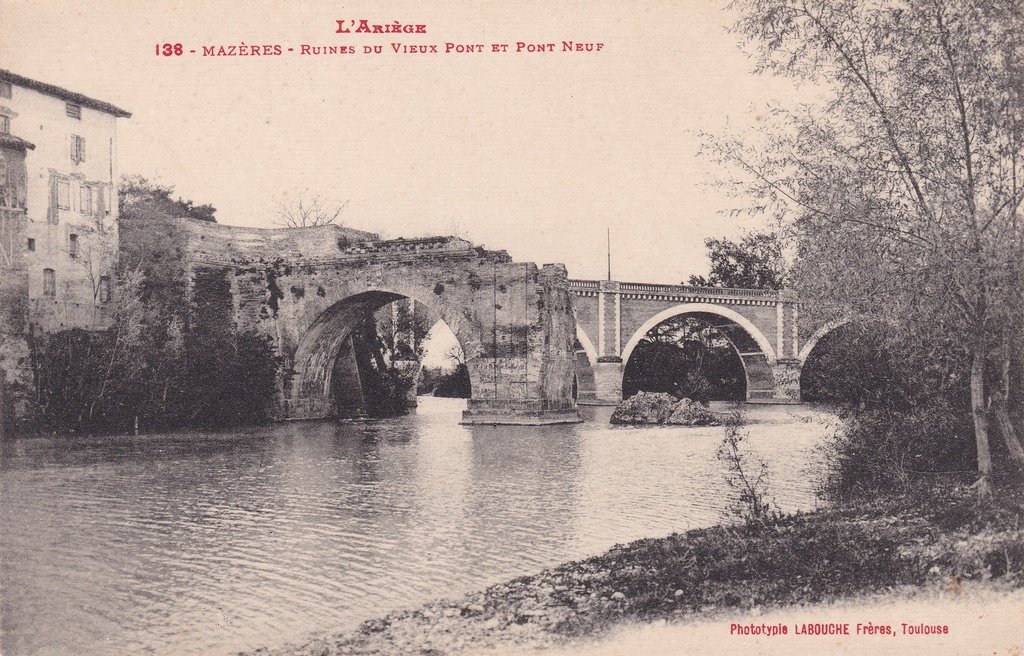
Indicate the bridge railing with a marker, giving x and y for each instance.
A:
(678, 290)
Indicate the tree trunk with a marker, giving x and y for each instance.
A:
(1002, 414)
(984, 483)
(1006, 429)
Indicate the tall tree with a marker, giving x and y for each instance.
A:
(901, 186)
(140, 198)
(754, 262)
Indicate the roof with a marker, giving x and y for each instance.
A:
(11, 141)
(61, 92)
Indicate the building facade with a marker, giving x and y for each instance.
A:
(58, 215)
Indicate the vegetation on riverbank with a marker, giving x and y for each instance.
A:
(929, 535)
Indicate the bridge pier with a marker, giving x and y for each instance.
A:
(607, 382)
(786, 389)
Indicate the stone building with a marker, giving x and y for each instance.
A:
(58, 214)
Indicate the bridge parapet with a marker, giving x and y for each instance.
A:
(655, 290)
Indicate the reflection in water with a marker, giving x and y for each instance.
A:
(215, 543)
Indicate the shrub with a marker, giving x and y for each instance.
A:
(883, 450)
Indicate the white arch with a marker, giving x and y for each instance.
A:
(821, 332)
(708, 308)
(587, 345)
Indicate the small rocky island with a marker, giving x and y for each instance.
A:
(660, 408)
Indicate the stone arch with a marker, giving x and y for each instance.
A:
(584, 380)
(818, 334)
(754, 349)
(587, 344)
(309, 392)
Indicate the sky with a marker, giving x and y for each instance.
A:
(535, 153)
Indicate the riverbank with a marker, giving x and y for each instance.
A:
(936, 539)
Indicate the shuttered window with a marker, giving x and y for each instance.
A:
(77, 149)
(49, 282)
(73, 110)
(63, 194)
(85, 200)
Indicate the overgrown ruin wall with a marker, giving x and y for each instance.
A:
(306, 289)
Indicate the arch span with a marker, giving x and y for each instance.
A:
(585, 379)
(701, 308)
(756, 354)
(588, 346)
(311, 391)
(818, 334)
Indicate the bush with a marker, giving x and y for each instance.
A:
(883, 450)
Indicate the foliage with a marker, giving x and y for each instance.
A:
(906, 415)
(687, 358)
(861, 364)
(754, 262)
(140, 200)
(384, 385)
(880, 450)
(165, 376)
(446, 383)
(403, 327)
(166, 361)
(749, 480)
(901, 188)
(229, 378)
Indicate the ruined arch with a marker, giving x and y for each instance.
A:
(309, 390)
(754, 349)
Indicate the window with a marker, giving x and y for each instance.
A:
(49, 282)
(85, 200)
(5, 89)
(63, 194)
(77, 149)
(5, 124)
(104, 290)
(73, 110)
(73, 245)
(31, 244)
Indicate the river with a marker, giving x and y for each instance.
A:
(212, 543)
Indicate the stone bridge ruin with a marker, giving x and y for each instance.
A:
(307, 289)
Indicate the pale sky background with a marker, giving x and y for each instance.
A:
(533, 153)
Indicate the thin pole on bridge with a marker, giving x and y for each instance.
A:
(609, 253)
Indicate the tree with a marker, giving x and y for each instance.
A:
(308, 212)
(140, 199)
(901, 188)
(754, 262)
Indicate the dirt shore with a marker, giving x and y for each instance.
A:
(912, 546)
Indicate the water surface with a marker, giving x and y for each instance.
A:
(213, 543)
